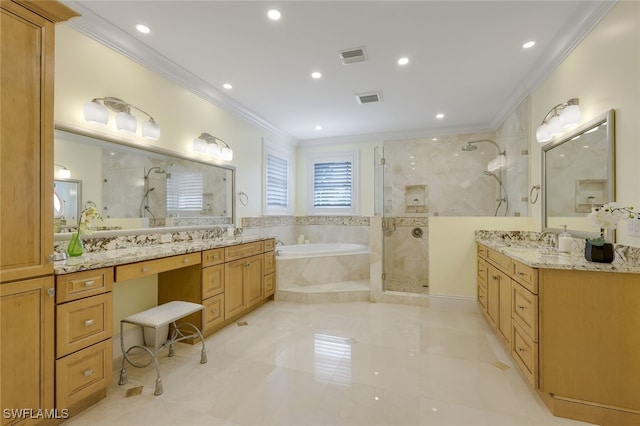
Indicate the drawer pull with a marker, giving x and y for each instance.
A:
(186, 260)
(87, 373)
(520, 349)
(145, 269)
(247, 264)
(496, 277)
(521, 307)
(522, 274)
(89, 283)
(89, 322)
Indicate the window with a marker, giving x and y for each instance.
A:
(184, 192)
(333, 183)
(277, 177)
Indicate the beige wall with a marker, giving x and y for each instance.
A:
(604, 72)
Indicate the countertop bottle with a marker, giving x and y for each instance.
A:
(564, 241)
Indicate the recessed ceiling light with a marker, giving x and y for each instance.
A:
(403, 61)
(316, 74)
(529, 44)
(318, 127)
(434, 139)
(143, 29)
(440, 116)
(274, 14)
(227, 86)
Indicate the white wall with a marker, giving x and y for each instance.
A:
(604, 73)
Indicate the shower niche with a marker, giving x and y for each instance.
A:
(415, 198)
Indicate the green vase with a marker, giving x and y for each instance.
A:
(75, 247)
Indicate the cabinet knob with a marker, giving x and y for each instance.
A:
(520, 349)
(145, 269)
(87, 373)
(89, 283)
(521, 307)
(186, 260)
(88, 322)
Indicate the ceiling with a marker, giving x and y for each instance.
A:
(466, 58)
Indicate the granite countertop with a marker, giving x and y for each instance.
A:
(546, 257)
(122, 256)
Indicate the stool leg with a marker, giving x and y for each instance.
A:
(123, 371)
(159, 390)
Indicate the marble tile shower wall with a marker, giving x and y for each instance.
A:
(406, 250)
(454, 180)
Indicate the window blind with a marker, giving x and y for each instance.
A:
(184, 192)
(277, 186)
(332, 183)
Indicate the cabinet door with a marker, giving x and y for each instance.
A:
(253, 280)
(26, 138)
(234, 292)
(504, 317)
(493, 296)
(26, 355)
(212, 281)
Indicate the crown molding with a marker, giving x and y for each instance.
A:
(122, 42)
(585, 20)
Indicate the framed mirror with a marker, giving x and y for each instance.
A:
(138, 188)
(578, 173)
(66, 203)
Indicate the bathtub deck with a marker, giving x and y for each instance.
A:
(346, 291)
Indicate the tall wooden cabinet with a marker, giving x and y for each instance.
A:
(26, 202)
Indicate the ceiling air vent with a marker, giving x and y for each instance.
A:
(350, 56)
(369, 97)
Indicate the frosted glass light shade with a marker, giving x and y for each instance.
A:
(227, 154)
(64, 173)
(151, 130)
(555, 127)
(200, 145)
(213, 150)
(95, 112)
(542, 133)
(126, 122)
(570, 116)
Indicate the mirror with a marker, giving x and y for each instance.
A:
(66, 203)
(578, 174)
(140, 187)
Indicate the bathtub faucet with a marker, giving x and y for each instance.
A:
(279, 242)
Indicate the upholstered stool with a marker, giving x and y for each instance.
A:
(155, 318)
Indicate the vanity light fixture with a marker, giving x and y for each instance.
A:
(63, 173)
(213, 147)
(97, 111)
(560, 117)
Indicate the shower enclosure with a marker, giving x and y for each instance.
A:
(405, 229)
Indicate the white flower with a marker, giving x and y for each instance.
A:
(608, 215)
(84, 227)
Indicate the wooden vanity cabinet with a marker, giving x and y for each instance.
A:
(84, 331)
(494, 290)
(243, 277)
(27, 287)
(269, 268)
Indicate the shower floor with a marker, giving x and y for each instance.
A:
(406, 286)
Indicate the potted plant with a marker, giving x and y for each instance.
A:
(605, 217)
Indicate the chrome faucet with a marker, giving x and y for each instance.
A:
(279, 242)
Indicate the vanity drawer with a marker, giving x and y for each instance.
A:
(83, 373)
(83, 284)
(213, 312)
(212, 281)
(212, 257)
(482, 297)
(525, 353)
(83, 322)
(270, 244)
(526, 276)
(269, 285)
(150, 267)
(269, 263)
(243, 250)
(482, 251)
(499, 260)
(525, 310)
(482, 272)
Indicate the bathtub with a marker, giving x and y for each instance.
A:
(314, 267)
(299, 251)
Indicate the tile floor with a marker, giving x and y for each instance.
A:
(332, 364)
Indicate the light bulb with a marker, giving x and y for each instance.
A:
(151, 130)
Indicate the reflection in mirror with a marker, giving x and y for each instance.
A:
(137, 188)
(67, 194)
(578, 174)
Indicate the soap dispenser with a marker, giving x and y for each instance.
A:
(564, 241)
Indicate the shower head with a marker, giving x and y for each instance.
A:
(468, 147)
(471, 147)
(158, 170)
